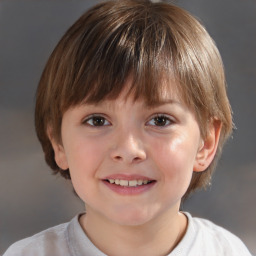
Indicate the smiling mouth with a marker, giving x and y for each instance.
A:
(129, 183)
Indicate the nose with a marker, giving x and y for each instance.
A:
(128, 148)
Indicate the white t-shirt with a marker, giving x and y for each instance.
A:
(202, 238)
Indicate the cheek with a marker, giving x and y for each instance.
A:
(82, 154)
(84, 159)
(175, 158)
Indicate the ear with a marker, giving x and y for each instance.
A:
(208, 147)
(59, 152)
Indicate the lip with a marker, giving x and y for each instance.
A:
(126, 190)
(127, 177)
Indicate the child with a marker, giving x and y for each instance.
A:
(132, 107)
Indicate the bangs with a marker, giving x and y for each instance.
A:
(110, 53)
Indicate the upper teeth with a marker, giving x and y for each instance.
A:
(128, 183)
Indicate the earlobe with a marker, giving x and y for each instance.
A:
(59, 152)
(208, 147)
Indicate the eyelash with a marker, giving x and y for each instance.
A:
(91, 121)
(167, 120)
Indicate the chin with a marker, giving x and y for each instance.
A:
(132, 217)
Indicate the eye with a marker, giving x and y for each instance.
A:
(160, 120)
(96, 120)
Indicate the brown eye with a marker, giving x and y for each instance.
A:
(160, 121)
(96, 121)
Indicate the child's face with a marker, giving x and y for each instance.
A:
(129, 141)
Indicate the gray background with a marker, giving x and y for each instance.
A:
(31, 199)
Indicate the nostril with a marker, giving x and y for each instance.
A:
(137, 159)
(118, 158)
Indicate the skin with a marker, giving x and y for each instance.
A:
(124, 137)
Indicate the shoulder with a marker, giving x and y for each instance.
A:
(214, 238)
(52, 241)
(213, 231)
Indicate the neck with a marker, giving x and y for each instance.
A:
(157, 237)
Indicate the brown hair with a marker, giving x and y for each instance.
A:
(153, 43)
